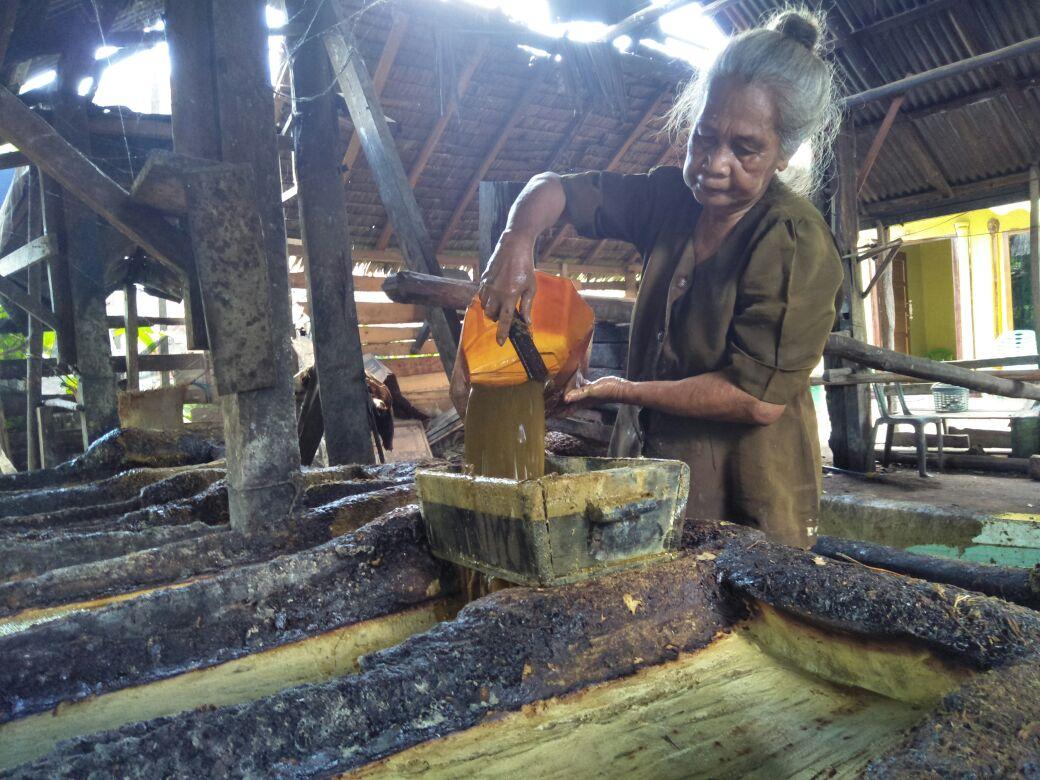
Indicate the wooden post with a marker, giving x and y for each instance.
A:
(328, 265)
(397, 196)
(164, 344)
(1034, 243)
(886, 298)
(494, 200)
(222, 109)
(58, 282)
(34, 347)
(133, 372)
(97, 383)
(848, 407)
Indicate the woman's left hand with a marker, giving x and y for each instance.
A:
(608, 389)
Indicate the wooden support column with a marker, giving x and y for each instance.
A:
(848, 407)
(378, 144)
(328, 263)
(86, 264)
(493, 203)
(1034, 243)
(222, 109)
(886, 297)
(133, 371)
(34, 346)
(59, 284)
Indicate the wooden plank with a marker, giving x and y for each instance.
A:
(298, 281)
(398, 27)
(383, 313)
(10, 160)
(385, 334)
(878, 142)
(495, 198)
(411, 366)
(338, 358)
(378, 144)
(38, 250)
(536, 77)
(34, 340)
(434, 138)
(399, 348)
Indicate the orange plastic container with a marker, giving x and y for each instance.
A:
(561, 326)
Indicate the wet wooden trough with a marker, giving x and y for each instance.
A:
(337, 647)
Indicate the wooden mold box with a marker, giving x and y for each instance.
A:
(584, 517)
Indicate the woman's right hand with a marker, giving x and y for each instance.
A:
(508, 278)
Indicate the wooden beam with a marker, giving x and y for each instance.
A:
(898, 87)
(78, 175)
(536, 78)
(59, 283)
(378, 144)
(39, 250)
(494, 200)
(976, 194)
(13, 160)
(878, 142)
(338, 356)
(382, 72)
(925, 158)
(435, 135)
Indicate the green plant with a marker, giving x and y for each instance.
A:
(940, 354)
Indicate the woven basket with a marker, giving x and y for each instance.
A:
(950, 398)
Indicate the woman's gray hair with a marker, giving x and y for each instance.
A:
(784, 56)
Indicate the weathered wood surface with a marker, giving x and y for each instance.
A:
(119, 450)
(501, 652)
(211, 552)
(381, 569)
(1021, 586)
(975, 629)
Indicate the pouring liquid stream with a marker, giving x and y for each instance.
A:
(505, 431)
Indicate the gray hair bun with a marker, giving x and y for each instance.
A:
(799, 27)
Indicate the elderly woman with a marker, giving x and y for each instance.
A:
(739, 285)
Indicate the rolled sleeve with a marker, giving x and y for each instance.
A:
(784, 311)
(624, 207)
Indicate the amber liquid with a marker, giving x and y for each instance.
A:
(505, 431)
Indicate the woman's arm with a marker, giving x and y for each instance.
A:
(510, 272)
(705, 396)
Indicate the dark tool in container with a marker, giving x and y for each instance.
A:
(523, 343)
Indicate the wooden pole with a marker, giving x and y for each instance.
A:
(397, 196)
(848, 407)
(328, 265)
(222, 109)
(86, 264)
(844, 347)
(58, 283)
(1034, 243)
(34, 346)
(164, 342)
(133, 372)
(1020, 49)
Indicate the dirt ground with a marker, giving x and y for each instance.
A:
(971, 491)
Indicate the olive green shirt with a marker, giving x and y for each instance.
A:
(759, 310)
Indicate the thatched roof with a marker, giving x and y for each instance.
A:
(962, 141)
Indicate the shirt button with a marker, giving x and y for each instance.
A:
(681, 284)
(660, 335)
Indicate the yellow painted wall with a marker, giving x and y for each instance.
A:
(985, 291)
(929, 277)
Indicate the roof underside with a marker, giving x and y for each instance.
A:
(963, 141)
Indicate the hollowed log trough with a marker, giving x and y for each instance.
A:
(337, 648)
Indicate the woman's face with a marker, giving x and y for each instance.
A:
(733, 150)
